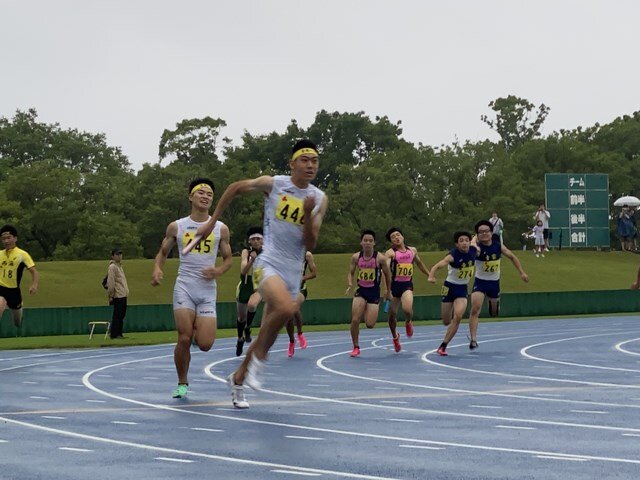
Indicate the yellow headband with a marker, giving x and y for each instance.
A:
(304, 151)
(201, 185)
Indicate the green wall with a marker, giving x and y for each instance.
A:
(142, 318)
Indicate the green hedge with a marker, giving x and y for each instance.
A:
(143, 318)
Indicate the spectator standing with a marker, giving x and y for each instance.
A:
(498, 225)
(543, 215)
(118, 291)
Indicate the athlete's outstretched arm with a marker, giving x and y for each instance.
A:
(224, 249)
(386, 271)
(352, 270)
(418, 261)
(312, 222)
(260, 184)
(516, 263)
(168, 242)
(35, 280)
(442, 263)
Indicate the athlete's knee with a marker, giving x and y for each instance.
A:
(206, 346)
(446, 321)
(370, 323)
(184, 339)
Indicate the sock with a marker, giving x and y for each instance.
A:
(240, 328)
(443, 345)
(250, 316)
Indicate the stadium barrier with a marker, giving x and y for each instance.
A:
(155, 318)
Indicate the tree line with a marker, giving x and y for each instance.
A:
(73, 196)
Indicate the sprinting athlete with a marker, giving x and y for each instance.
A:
(365, 304)
(247, 297)
(293, 214)
(401, 258)
(460, 262)
(310, 264)
(194, 293)
(487, 275)
(13, 261)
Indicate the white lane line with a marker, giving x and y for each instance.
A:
(399, 402)
(520, 381)
(30, 383)
(96, 401)
(599, 412)
(569, 459)
(75, 385)
(304, 474)
(208, 368)
(202, 429)
(104, 375)
(199, 380)
(421, 447)
(548, 395)
(127, 368)
(405, 420)
(311, 414)
(122, 422)
(494, 407)
(322, 375)
(54, 417)
(524, 353)
(125, 388)
(177, 460)
(36, 397)
(620, 349)
(4, 441)
(386, 388)
(227, 409)
(156, 378)
(631, 434)
(73, 449)
(299, 437)
(513, 427)
(61, 374)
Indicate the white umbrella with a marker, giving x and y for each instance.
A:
(628, 200)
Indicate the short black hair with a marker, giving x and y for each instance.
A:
(198, 181)
(9, 228)
(390, 231)
(304, 143)
(254, 230)
(460, 233)
(116, 251)
(486, 223)
(368, 232)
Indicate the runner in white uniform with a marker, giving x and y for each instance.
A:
(293, 214)
(194, 293)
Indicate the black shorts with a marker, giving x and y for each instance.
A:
(398, 288)
(369, 294)
(13, 297)
(545, 233)
(304, 293)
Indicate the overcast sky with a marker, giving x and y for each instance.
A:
(132, 68)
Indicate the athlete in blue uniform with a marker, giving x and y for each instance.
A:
(487, 277)
(460, 262)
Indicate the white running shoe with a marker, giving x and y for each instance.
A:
(255, 368)
(237, 393)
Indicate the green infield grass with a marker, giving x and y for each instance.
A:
(77, 283)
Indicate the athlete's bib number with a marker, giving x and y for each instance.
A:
(404, 270)
(204, 247)
(492, 266)
(290, 209)
(367, 274)
(465, 273)
(257, 277)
